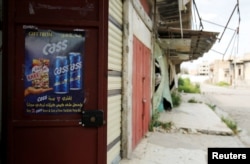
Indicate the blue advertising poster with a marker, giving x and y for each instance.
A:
(54, 67)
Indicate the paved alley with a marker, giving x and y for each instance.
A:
(196, 127)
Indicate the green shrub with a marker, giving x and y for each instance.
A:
(166, 125)
(154, 122)
(197, 85)
(192, 100)
(211, 106)
(222, 84)
(231, 124)
(181, 81)
(185, 85)
(176, 98)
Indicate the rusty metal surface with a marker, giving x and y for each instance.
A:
(175, 35)
(192, 46)
(169, 13)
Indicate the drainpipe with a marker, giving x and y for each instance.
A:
(180, 3)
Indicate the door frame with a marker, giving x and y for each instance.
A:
(141, 96)
(9, 36)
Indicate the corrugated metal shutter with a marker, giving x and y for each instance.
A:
(114, 81)
(114, 46)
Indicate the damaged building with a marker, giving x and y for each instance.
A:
(129, 63)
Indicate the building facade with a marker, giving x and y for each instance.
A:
(204, 68)
(130, 59)
(234, 71)
(221, 71)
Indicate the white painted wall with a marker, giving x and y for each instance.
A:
(133, 25)
(141, 31)
(127, 82)
(247, 71)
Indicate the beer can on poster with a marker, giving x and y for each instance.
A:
(61, 72)
(75, 62)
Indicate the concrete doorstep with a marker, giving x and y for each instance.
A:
(196, 117)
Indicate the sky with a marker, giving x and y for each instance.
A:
(218, 12)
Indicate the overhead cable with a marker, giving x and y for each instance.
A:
(236, 6)
(234, 44)
(216, 51)
(201, 25)
(238, 11)
(194, 19)
(238, 36)
(217, 24)
(235, 32)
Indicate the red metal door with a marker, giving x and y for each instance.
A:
(146, 88)
(51, 132)
(137, 92)
(141, 90)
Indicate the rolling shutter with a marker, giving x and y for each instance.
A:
(114, 81)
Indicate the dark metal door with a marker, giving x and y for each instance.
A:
(47, 127)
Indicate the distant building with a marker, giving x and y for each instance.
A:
(204, 68)
(241, 70)
(247, 69)
(220, 71)
(235, 72)
(193, 71)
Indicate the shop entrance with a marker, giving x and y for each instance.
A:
(55, 103)
(141, 90)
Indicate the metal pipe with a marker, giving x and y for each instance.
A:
(180, 17)
(228, 21)
(201, 25)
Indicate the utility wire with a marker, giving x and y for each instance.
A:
(239, 11)
(238, 42)
(238, 29)
(216, 51)
(234, 38)
(217, 24)
(194, 19)
(233, 47)
(229, 44)
(236, 32)
(236, 6)
(201, 25)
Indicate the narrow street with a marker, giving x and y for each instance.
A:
(233, 102)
